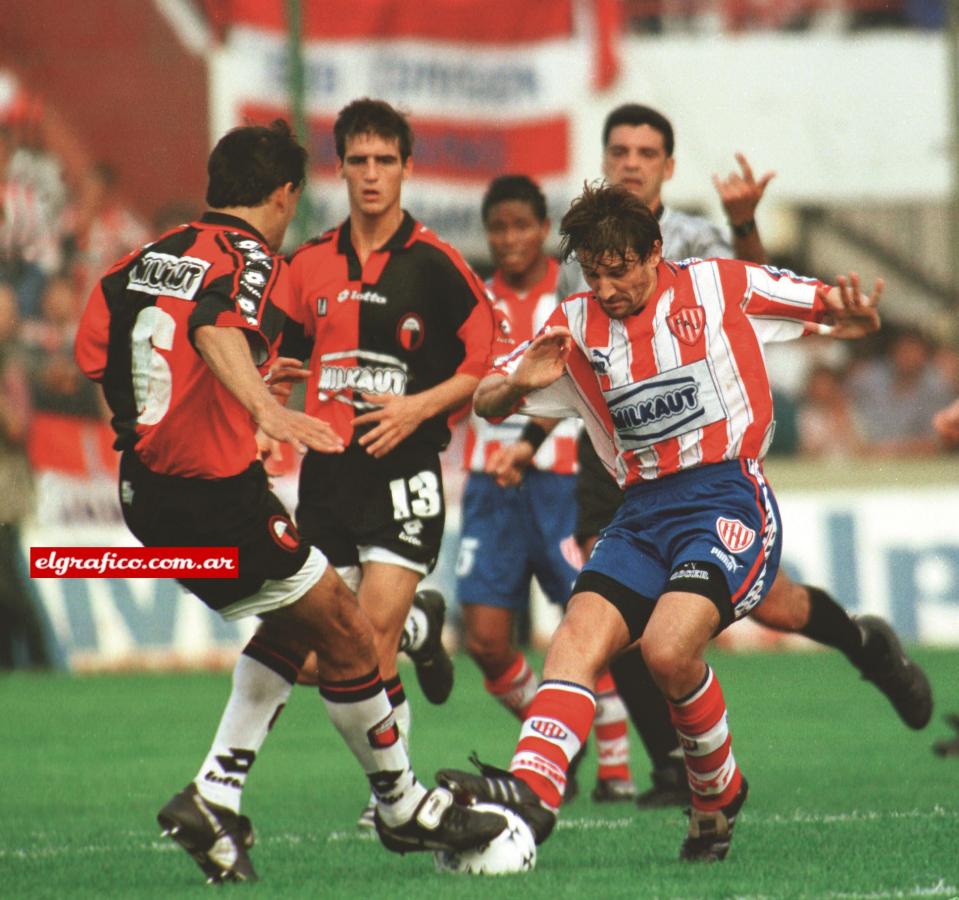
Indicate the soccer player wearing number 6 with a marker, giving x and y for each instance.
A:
(664, 363)
(180, 334)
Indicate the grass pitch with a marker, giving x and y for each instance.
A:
(844, 800)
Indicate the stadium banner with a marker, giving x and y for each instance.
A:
(891, 553)
(96, 624)
(490, 89)
(75, 470)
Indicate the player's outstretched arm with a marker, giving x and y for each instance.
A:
(851, 313)
(542, 362)
(227, 353)
(740, 194)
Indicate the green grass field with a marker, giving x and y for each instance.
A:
(844, 801)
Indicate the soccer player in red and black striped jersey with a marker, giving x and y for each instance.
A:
(399, 331)
(180, 333)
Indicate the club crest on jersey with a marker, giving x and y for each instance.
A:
(687, 324)
(735, 534)
(549, 729)
(284, 533)
(409, 332)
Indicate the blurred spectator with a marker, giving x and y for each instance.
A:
(883, 14)
(173, 214)
(21, 635)
(98, 228)
(946, 424)
(946, 360)
(29, 198)
(930, 14)
(786, 434)
(57, 385)
(896, 395)
(826, 422)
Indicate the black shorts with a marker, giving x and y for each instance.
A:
(597, 494)
(240, 511)
(351, 501)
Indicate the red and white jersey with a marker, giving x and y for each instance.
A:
(523, 315)
(683, 382)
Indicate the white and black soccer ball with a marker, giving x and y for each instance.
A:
(512, 850)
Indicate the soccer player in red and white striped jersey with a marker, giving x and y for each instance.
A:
(665, 365)
(519, 500)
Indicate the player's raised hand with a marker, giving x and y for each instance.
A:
(740, 192)
(544, 359)
(508, 464)
(395, 420)
(283, 374)
(302, 431)
(851, 313)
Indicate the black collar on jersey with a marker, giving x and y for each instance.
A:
(399, 239)
(217, 218)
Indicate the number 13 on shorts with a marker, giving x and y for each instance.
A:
(417, 496)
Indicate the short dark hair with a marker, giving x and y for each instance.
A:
(377, 117)
(608, 220)
(636, 114)
(515, 187)
(250, 162)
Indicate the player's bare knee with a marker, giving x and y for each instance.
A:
(667, 662)
(785, 608)
(577, 652)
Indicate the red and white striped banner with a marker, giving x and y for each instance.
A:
(489, 87)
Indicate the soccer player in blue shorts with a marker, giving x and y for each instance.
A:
(520, 524)
(664, 363)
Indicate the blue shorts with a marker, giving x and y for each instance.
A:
(511, 534)
(723, 514)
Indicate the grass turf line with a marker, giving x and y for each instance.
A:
(844, 801)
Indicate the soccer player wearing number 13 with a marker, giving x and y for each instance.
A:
(399, 331)
(664, 363)
(180, 334)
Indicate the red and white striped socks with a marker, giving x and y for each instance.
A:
(612, 741)
(700, 719)
(516, 687)
(557, 724)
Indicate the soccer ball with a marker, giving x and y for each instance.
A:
(512, 850)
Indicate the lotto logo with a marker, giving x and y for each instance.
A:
(735, 534)
(549, 729)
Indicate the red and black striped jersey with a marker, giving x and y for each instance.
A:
(411, 317)
(135, 338)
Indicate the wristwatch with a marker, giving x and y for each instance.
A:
(744, 229)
